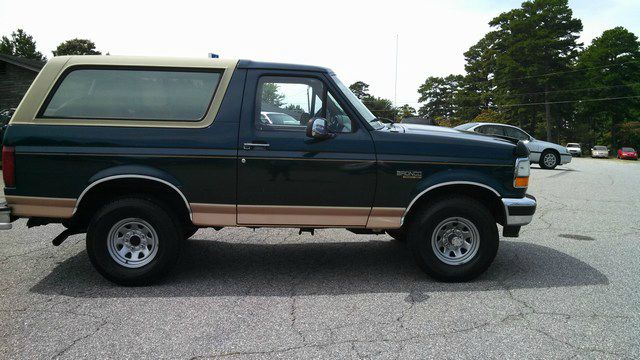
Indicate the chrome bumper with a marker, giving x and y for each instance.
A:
(5, 217)
(519, 212)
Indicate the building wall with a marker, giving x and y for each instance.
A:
(14, 83)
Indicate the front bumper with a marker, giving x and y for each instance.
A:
(575, 152)
(565, 158)
(5, 217)
(519, 212)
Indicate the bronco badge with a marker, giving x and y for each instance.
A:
(406, 174)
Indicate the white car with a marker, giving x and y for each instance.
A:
(277, 118)
(574, 149)
(599, 151)
(548, 155)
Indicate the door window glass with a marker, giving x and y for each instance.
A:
(287, 103)
(337, 119)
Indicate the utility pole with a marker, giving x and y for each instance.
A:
(547, 111)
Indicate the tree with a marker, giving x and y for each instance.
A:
(405, 111)
(380, 107)
(270, 95)
(535, 49)
(20, 44)
(476, 90)
(360, 89)
(76, 47)
(610, 68)
(439, 95)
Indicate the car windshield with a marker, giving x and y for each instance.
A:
(362, 110)
(626, 149)
(600, 147)
(573, 145)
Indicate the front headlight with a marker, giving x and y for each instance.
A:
(521, 173)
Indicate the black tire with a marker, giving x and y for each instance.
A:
(398, 234)
(189, 231)
(555, 156)
(162, 222)
(421, 230)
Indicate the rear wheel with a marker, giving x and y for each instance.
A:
(549, 160)
(454, 239)
(133, 241)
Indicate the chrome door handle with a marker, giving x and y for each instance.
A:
(249, 146)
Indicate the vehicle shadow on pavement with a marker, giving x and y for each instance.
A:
(215, 268)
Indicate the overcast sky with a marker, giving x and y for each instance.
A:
(357, 39)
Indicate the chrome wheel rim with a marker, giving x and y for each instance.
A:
(549, 160)
(455, 241)
(132, 243)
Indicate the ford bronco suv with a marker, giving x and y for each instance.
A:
(138, 153)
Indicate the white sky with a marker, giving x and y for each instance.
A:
(354, 38)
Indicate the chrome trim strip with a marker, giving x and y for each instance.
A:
(132, 176)
(441, 185)
(517, 220)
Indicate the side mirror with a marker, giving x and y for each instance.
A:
(317, 129)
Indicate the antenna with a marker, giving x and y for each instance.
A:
(395, 86)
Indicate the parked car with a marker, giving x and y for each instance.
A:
(627, 153)
(548, 155)
(138, 153)
(276, 118)
(599, 151)
(574, 149)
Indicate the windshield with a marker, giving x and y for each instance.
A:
(625, 149)
(572, 145)
(360, 108)
(600, 147)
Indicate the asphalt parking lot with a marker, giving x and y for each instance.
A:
(568, 287)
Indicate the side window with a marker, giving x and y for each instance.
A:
(492, 130)
(133, 94)
(287, 103)
(515, 133)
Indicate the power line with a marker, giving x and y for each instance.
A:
(572, 70)
(571, 101)
(503, 96)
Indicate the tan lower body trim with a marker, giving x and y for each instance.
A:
(385, 218)
(303, 215)
(32, 206)
(213, 214)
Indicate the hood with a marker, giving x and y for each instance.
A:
(436, 143)
(434, 130)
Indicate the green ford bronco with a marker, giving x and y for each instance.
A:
(138, 153)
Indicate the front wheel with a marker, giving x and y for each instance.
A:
(454, 239)
(549, 160)
(133, 241)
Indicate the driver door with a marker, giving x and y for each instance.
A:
(287, 178)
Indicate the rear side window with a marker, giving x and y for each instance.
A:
(132, 94)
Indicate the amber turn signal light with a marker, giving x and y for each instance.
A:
(521, 182)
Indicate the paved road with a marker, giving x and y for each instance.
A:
(568, 287)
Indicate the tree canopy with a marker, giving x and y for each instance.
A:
(76, 47)
(20, 44)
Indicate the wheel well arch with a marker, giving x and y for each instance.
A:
(481, 192)
(552, 150)
(101, 191)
